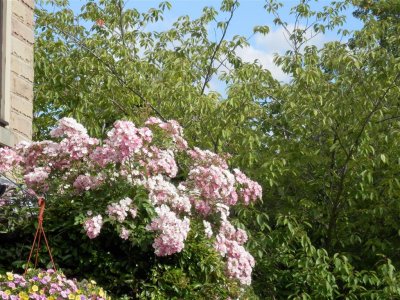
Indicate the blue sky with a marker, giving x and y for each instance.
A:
(249, 14)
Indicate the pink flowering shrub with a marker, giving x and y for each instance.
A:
(141, 166)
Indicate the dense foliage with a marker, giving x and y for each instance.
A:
(324, 145)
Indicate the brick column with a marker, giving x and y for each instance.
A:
(19, 90)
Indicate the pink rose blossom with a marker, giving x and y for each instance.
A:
(173, 129)
(8, 159)
(125, 139)
(37, 177)
(207, 158)
(214, 184)
(119, 210)
(124, 233)
(86, 182)
(249, 190)
(164, 192)
(133, 212)
(207, 229)
(153, 121)
(228, 243)
(161, 161)
(93, 226)
(68, 127)
(172, 231)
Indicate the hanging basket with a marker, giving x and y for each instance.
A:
(46, 285)
(38, 236)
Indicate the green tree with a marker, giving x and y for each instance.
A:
(332, 159)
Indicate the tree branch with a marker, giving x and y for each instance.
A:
(209, 68)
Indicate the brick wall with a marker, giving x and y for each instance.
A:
(19, 57)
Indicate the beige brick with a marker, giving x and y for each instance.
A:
(18, 138)
(22, 12)
(29, 3)
(22, 69)
(22, 31)
(21, 105)
(21, 87)
(21, 124)
(6, 137)
(21, 50)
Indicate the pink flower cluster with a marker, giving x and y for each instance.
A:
(173, 128)
(37, 177)
(229, 243)
(214, 184)
(249, 190)
(68, 127)
(207, 229)
(75, 148)
(119, 211)
(202, 207)
(124, 141)
(162, 191)
(124, 234)
(207, 158)
(172, 231)
(76, 144)
(8, 159)
(35, 154)
(161, 162)
(93, 226)
(86, 182)
(39, 158)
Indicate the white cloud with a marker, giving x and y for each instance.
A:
(264, 48)
(263, 57)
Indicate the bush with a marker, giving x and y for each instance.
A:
(155, 212)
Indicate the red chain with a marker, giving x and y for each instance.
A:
(38, 235)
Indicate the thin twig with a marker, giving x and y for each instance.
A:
(209, 68)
